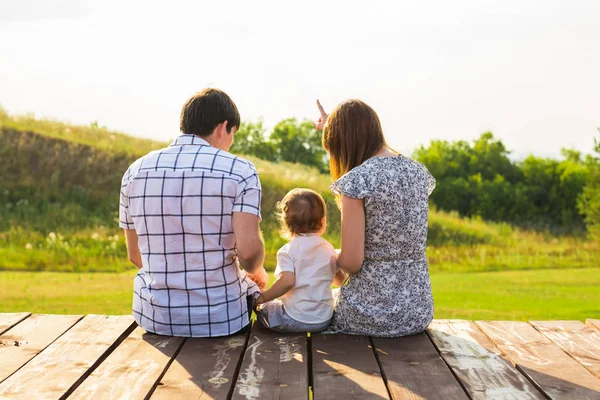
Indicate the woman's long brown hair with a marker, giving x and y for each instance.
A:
(352, 135)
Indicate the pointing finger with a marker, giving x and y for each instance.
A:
(321, 110)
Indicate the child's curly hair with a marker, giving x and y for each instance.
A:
(301, 211)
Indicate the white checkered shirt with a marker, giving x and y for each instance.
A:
(180, 200)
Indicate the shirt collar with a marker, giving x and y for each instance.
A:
(188, 139)
(306, 234)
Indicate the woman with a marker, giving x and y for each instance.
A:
(383, 198)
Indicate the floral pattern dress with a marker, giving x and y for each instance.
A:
(391, 295)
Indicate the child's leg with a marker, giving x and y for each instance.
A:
(272, 315)
(291, 325)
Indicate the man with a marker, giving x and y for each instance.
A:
(191, 213)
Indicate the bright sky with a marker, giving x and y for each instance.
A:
(527, 70)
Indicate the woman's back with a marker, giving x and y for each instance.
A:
(396, 210)
(391, 295)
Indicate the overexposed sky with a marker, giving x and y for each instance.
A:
(529, 71)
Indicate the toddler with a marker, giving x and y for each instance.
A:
(300, 300)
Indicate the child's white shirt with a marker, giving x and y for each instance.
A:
(313, 260)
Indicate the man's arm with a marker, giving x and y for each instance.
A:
(133, 249)
(250, 246)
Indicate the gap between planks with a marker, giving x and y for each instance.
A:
(579, 341)
(545, 364)
(65, 363)
(9, 320)
(478, 363)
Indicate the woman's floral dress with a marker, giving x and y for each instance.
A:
(391, 294)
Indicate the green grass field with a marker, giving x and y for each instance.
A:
(61, 250)
(504, 295)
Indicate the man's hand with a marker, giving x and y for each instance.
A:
(261, 278)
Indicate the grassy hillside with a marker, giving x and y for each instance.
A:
(59, 194)
(92, 135)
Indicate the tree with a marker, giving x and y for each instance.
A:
(251, 139)
(480, 179)
(489, 157)
(589, 200)
(299, 142)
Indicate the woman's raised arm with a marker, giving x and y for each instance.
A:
(320, 123)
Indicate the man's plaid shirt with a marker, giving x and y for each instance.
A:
(180, 201)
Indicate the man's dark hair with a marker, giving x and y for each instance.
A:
(205, 110)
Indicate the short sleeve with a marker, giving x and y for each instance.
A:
(285, 262)
(125, 219)
(430, 180)
(354, 184)
(248, 194)
(334, 265)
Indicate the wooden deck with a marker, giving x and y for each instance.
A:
(109, 357)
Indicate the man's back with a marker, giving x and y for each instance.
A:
(180, 201)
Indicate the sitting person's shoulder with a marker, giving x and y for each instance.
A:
(227, 163)
(241, 161)
(243, 168)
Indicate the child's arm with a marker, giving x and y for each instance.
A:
(284, 283)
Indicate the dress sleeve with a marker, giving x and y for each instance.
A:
(430, 181)
(354, 184)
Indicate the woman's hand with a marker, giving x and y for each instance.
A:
(320, 123)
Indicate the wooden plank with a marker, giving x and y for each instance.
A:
(345, 367)
(67, 361)
(274, 366)
(582, 343)
(413, 369)
(203, 369)
(133, 369)
(8, 320)
(549, 367)
(27, 339)
(477, 363)
(593, 323)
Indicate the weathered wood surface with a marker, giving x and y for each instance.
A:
(477, 363)
(546, 364)
(581, 342)
(27, 339)
(593, 323)
(413, 369)
(275, 366)
(68, 360)
(203, 369)
(8, 320)
(133, 369)
(344, 367)
(108, 357)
